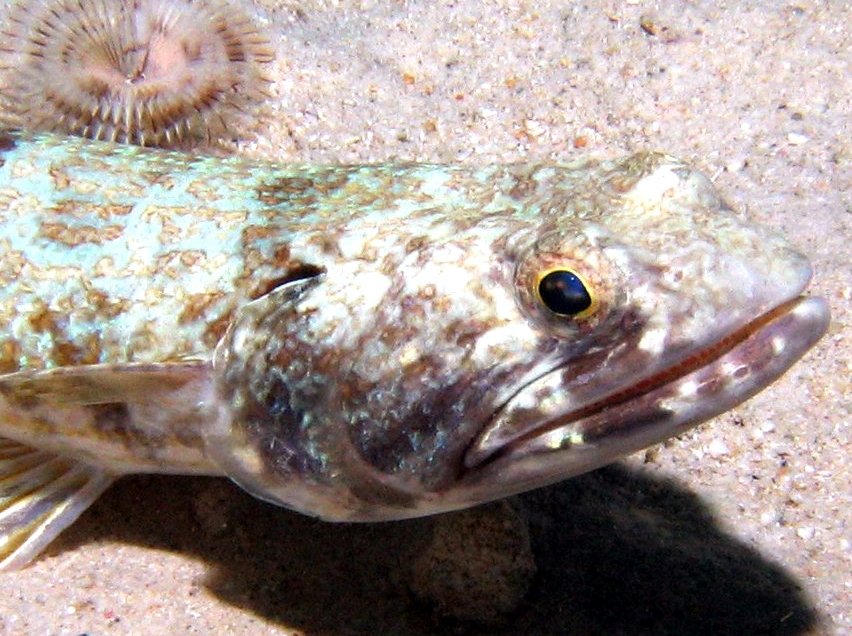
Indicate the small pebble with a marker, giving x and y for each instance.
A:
(718, 448)
(769, 517)
(735, 165)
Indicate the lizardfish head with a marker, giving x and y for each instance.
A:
(509, 353)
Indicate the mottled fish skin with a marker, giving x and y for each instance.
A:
(368, 342)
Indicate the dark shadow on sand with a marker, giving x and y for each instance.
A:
(617, 552)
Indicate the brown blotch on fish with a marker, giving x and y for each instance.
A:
(176, 263)
(330, 180)
(10, 354)
(390, 263)
(416, 243)
(523, 186)
(81, 210)
(67, 354)
(73, 236)
(105, 306)
(110, 211)
(45, 320)
(328, 243)
(296, 191)
(281, 254)
(253, 233)
(198, 305)
(60, 178)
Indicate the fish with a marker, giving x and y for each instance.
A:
(366, 342)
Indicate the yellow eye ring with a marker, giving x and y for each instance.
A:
(565, 293)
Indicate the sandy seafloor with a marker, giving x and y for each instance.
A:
(742, 526)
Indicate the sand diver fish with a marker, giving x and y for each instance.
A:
(365, 342)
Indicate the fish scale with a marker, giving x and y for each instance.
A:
(365, 342)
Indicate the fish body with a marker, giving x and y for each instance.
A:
(365, 342)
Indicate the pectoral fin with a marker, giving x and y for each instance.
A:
(126, 418)
(105, 383)
(41, 494)
(67, 433)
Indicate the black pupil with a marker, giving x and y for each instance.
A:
(564, 293)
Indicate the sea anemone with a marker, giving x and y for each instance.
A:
(149, 72)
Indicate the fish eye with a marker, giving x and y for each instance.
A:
(564, 293)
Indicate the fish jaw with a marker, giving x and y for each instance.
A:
(553, 439)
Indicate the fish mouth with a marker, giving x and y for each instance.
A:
(543, 448)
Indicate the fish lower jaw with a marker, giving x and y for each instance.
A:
(656, 408)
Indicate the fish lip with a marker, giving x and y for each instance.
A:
(799, 321)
